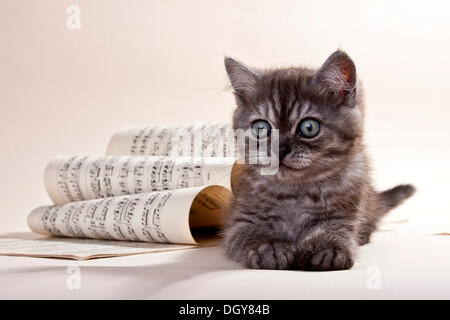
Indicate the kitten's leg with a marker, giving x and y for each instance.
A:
(365, 231)
(245, 244)
(328, 246)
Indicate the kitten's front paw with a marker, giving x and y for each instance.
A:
(276, 255)
(323, 257)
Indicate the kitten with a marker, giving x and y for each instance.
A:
(320, 205)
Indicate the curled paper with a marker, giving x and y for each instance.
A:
(171, 216)
(203, 140)
(77, 178)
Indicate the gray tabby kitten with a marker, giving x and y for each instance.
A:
(320, 205)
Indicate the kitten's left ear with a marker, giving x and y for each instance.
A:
(337, 76)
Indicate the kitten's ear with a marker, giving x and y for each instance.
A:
(244, 80)
(337, 76)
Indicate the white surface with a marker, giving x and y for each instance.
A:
(411, 265)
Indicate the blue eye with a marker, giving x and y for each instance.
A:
(308, 128)
(261, 129)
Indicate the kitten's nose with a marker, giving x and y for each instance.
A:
(284, 152)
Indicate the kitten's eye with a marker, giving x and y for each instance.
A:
(308, 128)
(257, 129)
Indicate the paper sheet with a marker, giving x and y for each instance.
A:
(69, 179)
(165, 216)
(197, 140)
(32, 245)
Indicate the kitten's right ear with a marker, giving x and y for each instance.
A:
(244, 80)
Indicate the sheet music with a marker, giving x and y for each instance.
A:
(162, 216)
(158, 184)
(33, 245)
(196, 140)
(69, 179)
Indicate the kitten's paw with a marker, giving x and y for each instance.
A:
(276, 255)
(323, 257)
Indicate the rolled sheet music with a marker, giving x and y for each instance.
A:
(160, 184)
(197, 140)
(74, 178)
(171, 216)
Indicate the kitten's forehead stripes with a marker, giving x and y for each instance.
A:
(284, 102)
(274, 98)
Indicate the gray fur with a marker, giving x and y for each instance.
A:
(315, 211)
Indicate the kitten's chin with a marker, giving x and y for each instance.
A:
(303, 175)
(290, 174)
(294, 167)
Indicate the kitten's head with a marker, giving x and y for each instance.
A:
(319, 113)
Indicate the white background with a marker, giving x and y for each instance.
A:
(156, 62)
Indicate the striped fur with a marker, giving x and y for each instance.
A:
(320, 205)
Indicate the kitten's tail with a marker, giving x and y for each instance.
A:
(393, 197)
